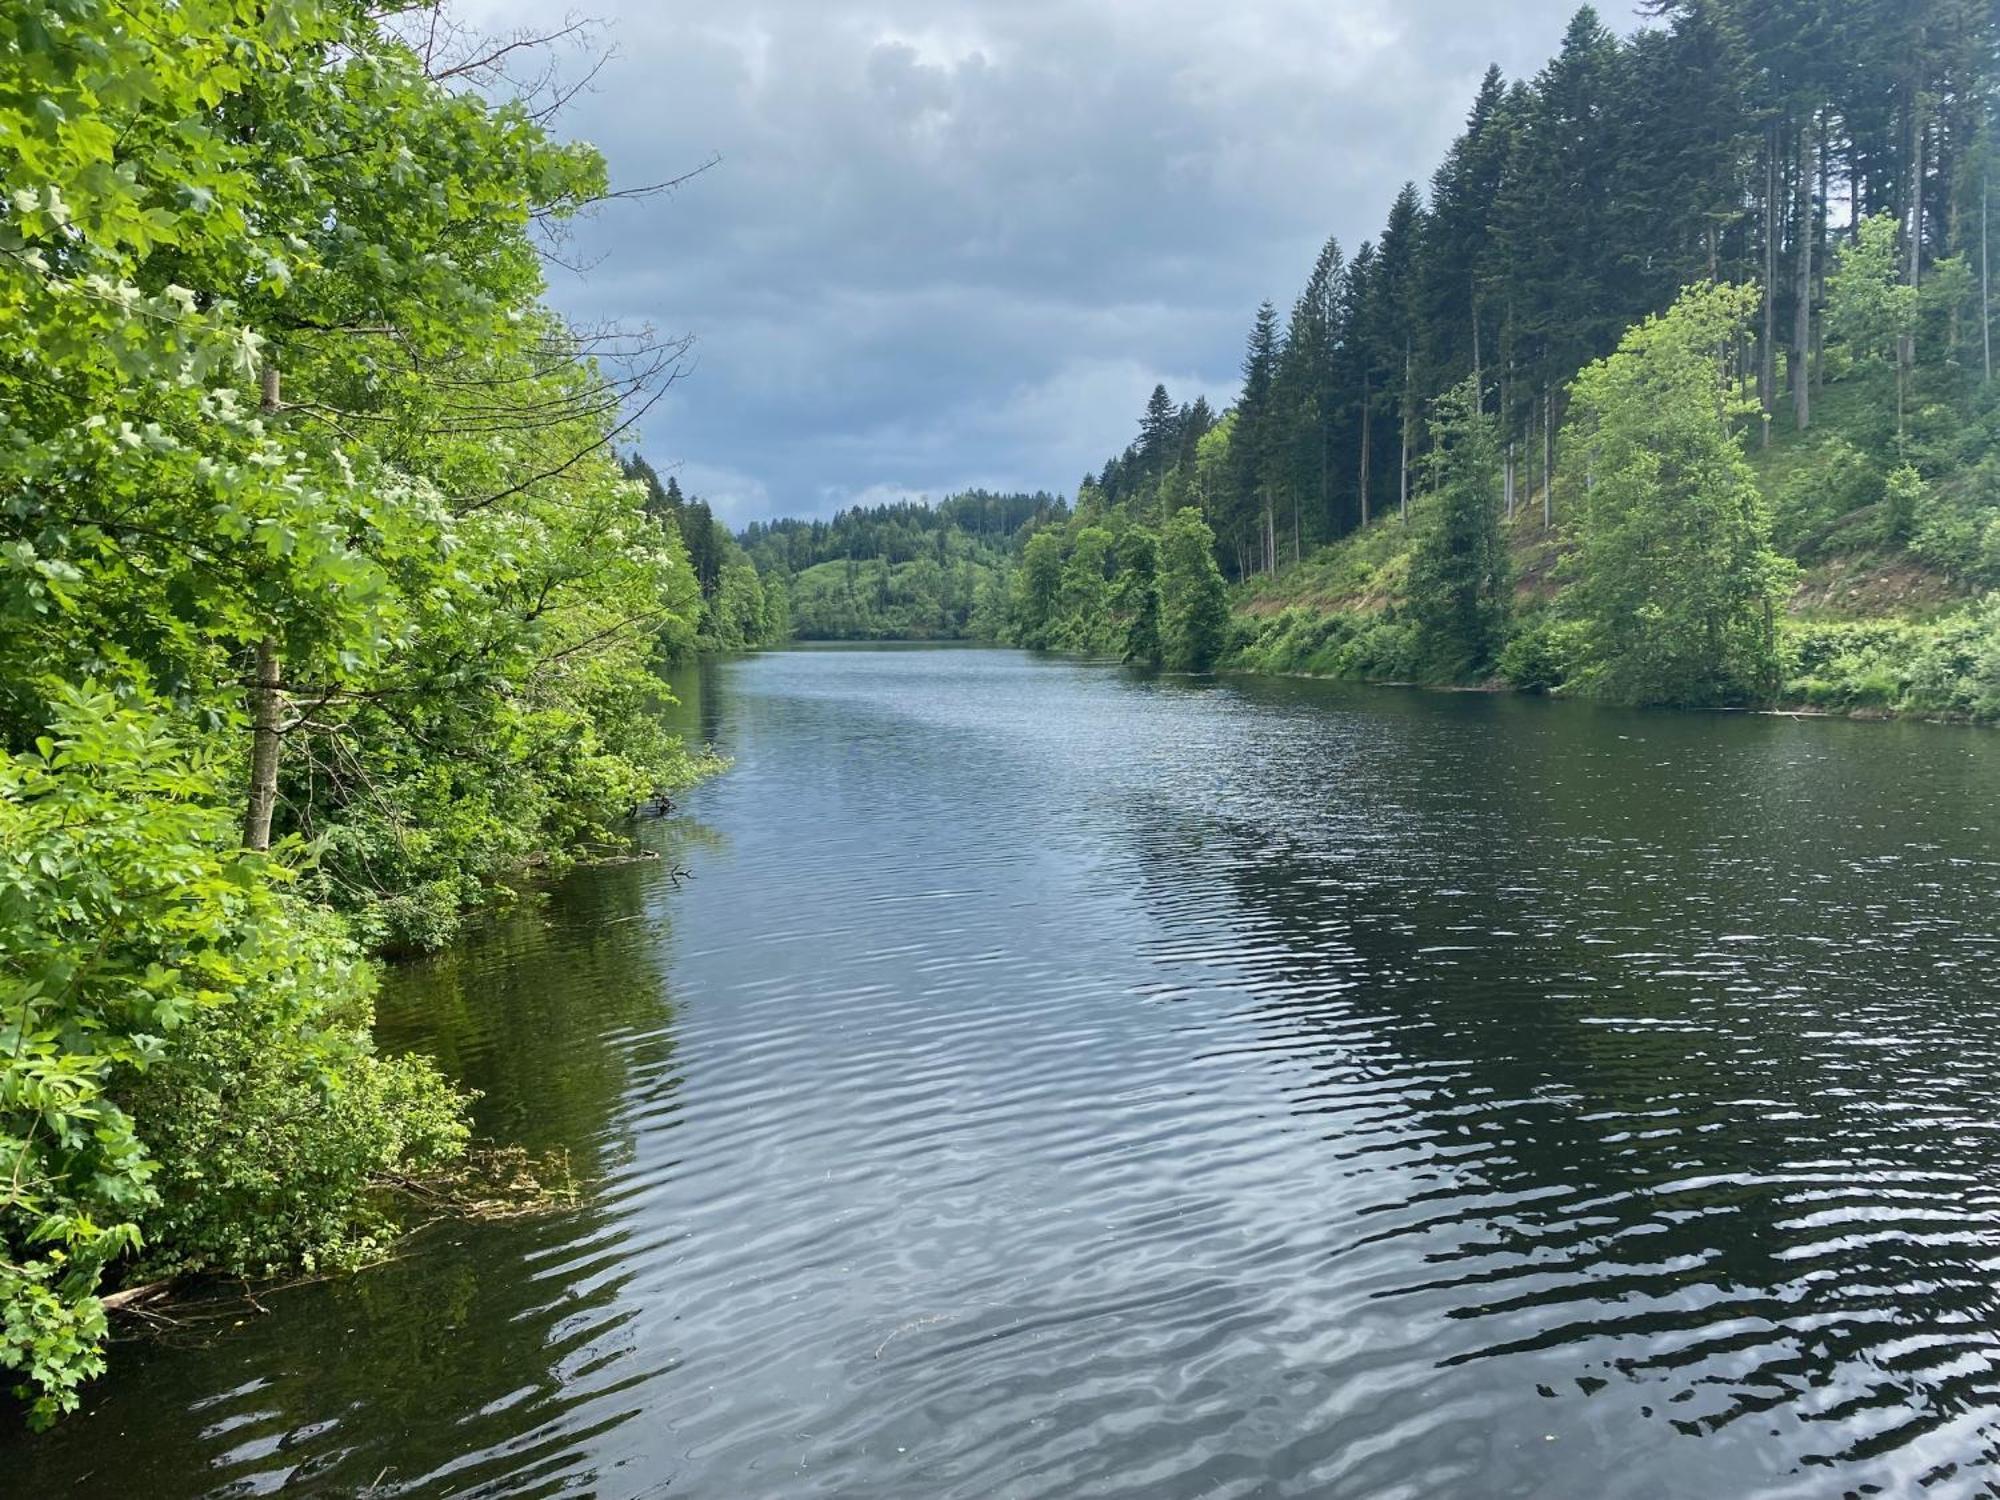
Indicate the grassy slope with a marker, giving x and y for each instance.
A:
(1871, 628)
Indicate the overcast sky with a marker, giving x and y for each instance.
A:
(951, 244)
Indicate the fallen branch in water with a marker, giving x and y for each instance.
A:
(488, 1183)
(127, 1299)
(494, 1182)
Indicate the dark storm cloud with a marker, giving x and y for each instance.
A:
(951, 243)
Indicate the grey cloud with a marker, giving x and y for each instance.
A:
(952, 243)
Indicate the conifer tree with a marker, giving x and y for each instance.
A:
(1159, 436)
(1459, 261)
(1458, 588)
(1254, 447)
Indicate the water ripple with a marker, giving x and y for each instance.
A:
(1054, 1083)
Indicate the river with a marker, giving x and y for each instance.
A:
(1048, 1081)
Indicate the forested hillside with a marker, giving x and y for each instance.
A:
(908, 571)
(1466, 451)
(324, 610)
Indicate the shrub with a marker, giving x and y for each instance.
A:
(1536, 657)
(184, 1056)
(1830, 480)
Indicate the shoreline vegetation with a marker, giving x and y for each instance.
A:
(1726, 436)
(326, 617)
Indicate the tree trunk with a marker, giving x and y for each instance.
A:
(1403, 475)
(1915, 197)
(1767, 353)
(1478, 386)
(1822, 229)
(1913, 205)
(1802, 289)
(1507, 481)
(1985, 315)
(1364, 450)
(1548, 460)
(267, 706)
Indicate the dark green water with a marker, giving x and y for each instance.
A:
(1053, 1083)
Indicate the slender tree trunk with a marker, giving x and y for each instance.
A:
(267, 706)
(1915, 217)
(1478, 385)
(1767, 353)
(1507, 480)
(1913, 203)
(1525, 480)
(1327, 517)
(1403, 474)
(1802, 289)
(1364, 450)
(1548, 460)
(1822, 227)
(1985, 315)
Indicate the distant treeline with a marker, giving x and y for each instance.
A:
(907, 571)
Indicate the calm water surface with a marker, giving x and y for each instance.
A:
(1052, 1083)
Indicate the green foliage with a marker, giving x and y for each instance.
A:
(1038, 590)
(880, 600)
(1136, 600)
(1902, 497)
(1955, 526)
(1537, 655)
(1948, 666)
(1869, 308)
(1365, 647)
(908, 571)
(1194, 604)
(1823, 492)
(276, 1126)
(154, 979)
(1674, 575)
(1458, 587)
(278, 383)
(1083, 621)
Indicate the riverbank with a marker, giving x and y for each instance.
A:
(1869, 634)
